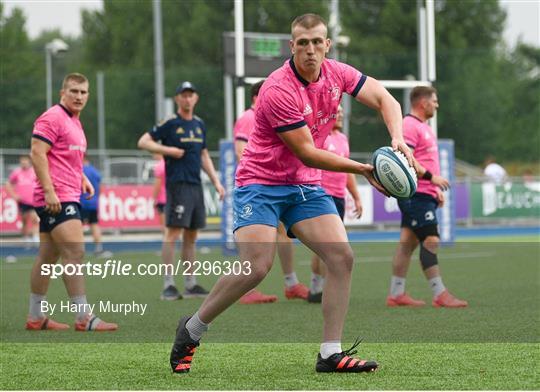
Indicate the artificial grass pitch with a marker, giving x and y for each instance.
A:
(270, 366)
(493, 344)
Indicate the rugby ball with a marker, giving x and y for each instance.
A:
(393, 172)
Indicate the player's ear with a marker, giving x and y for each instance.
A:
(328, 45)
(291, 45)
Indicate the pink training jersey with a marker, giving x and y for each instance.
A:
(286, 102)
(159, 172)
(244, 125)
(420, 136)
(23, 181)
(64, 132)
(335, 183)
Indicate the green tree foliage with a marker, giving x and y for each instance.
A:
(488, 94)
(19, 81)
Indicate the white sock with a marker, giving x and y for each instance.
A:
(437, 286)
(291, 280)
(330, 348)
(35, 306)
(98, 248)
(189, 281)
(196, 328)
(82, 310)
(397, 286)
(317, 283)
(168, 280)
(35, 238)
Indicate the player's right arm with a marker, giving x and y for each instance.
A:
(300, 142)
(38, 154)
(147, 143)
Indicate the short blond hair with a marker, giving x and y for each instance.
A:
(308, 21)
(76, 77)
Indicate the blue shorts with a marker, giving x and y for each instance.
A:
(48, 221)
(269, 204)
(418, 211)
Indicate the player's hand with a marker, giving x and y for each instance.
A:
(400, 145)
(220, 190)
(52, 203)
(175, 152)
(440, 198)
(358, 209)
(441, 182)
(87, 188)
(367, 171)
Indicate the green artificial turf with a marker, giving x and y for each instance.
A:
(492, 344)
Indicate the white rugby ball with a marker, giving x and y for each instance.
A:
(393, 172)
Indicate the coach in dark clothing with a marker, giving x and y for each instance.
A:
(183, 144)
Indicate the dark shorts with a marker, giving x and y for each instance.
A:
(47, 221)
(89, 216)
(160, 207)
(185, 206)
(268, 204)
(24, 208)
(340, 205)
(418, 211)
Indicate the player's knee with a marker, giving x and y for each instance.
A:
(342, 259)
(428, 258)
(259, 270)
(431, 243)
(73, 253)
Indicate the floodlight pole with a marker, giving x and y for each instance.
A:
(239, 55)
(52, 48)
(48, 67)
(158, 61)
(101, 115)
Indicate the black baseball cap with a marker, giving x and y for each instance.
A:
(185, 86)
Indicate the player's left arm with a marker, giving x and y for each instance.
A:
(435, 179)
(208, 167)
(375, 96)
(353, 190)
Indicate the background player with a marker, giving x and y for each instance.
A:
(336, 185)
(278, 178)
(58, 147)
(90, 207)
(20, 186)
(183, 144)
(419, 218)
(293, 288)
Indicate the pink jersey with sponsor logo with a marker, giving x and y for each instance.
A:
(335, 183)
(244, 125)
(420, 136)
(286, 102)
(159, 172)
(64, 132)
(23, 181)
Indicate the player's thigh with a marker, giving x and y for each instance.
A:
(326, 236)
(49, 253)
(68, 237)
(257, 244)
